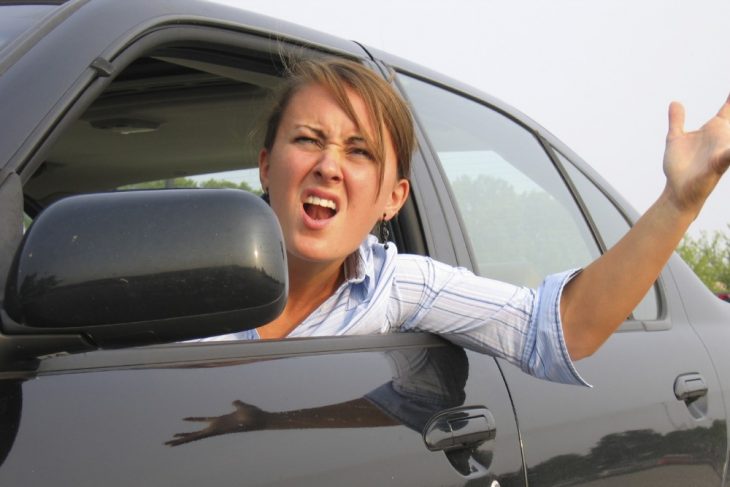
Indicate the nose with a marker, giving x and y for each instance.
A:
(329, 164)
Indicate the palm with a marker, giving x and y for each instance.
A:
(695, 161)
(245, 417)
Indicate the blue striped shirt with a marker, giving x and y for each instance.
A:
(386, 292)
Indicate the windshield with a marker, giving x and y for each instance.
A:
(16, 19)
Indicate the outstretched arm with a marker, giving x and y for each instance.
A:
(600, 298)
(358, 413)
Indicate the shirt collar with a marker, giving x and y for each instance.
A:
(359, 264)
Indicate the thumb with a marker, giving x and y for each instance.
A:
(676, 120)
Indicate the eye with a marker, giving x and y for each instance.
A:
(305, 140)
(362, 152)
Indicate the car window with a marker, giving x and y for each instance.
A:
(245, 179)
(177, 117)
(612, 225)
(520, 217)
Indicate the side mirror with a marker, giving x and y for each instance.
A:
(145, 267)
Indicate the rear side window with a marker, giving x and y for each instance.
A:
(612, 225)
(520, 217)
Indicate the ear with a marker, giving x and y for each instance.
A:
(264, 169)
(397, 198)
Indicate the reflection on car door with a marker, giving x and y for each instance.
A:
(196, 414)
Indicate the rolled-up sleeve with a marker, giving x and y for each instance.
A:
(545, 354)
(519, 324)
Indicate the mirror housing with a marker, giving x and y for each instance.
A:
(145, 267)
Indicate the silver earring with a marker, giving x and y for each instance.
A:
(384, 232)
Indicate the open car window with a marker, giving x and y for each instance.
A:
(176, 117)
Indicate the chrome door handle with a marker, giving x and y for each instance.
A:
(689, 387)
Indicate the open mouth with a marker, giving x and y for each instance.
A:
(319, 208)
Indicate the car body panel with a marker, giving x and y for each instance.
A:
(112, 417)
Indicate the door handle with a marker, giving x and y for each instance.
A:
(458, 428)
(690, 387)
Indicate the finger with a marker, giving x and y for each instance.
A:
(238, 404)
(725, 110)
(676, 120)
(177, 442)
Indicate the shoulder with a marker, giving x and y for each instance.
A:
(388, 265)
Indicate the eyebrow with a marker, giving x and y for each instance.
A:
(321, 134)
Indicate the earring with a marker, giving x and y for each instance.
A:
(384, 232)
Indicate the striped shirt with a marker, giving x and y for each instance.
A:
(386, 292)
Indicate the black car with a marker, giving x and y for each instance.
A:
(109, 274)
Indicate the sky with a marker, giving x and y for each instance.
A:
(597, 74)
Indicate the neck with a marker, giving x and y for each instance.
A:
(310, 284)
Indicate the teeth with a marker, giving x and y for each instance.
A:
(314, 200)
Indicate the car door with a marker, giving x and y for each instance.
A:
(297, 412)
(169, 104)
(522, 219)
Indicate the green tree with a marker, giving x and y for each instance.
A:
(163, 183)
(191, 183)
(224, 183)
(517, 236)
(709, 256)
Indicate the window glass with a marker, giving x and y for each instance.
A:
(522, 221)
(245, 179)
(27, 220)
(611, 225)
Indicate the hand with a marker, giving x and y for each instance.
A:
(695, 161)
(245, 418)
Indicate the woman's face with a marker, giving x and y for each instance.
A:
(322, 178)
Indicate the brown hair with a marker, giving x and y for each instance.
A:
(385, 108)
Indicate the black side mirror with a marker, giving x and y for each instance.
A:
(146, 267)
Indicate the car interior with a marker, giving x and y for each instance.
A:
(180, 116)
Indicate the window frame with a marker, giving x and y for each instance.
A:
(437, 173)
(662, 321)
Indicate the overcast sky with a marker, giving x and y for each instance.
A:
(597, 74)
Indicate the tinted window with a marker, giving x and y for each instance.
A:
(611, 225)
(519, 215)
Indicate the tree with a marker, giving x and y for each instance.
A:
(709, 256)
(517, 236)
(192, 183)
(223, 183)
(163, 183)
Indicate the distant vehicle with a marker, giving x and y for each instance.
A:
(725, 296)
(102, 99)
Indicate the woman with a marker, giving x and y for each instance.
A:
(336, 161)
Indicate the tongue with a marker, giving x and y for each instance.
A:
(319, 212)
